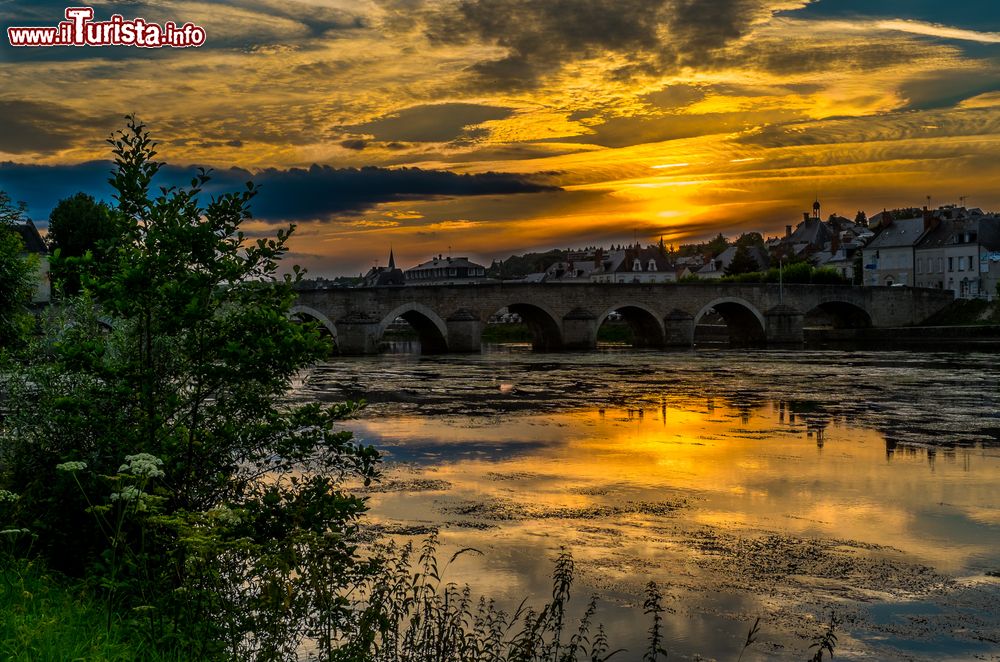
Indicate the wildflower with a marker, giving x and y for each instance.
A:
(132, 494)
(127, 495)
(142, 464)
(8, 497)
(71, 467)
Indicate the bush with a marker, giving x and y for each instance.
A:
(157, 460)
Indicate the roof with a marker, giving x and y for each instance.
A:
(812, 231)
(452, 262)
(898, 234)
(989, 232)
(621, 261)
(33, 242)
(725, 258)
(382, 277)
(984, 230)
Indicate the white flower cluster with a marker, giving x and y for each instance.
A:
(127, 495)
(8, 497)
(142, 464)
(134, 494)
(71, 466)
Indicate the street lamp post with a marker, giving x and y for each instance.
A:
(781, 280)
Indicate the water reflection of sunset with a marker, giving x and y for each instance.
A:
(734, 470)
(769, 484)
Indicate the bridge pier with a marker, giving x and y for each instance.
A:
(358, 333)
(784, 326)
(679, 328)
(465, 332)
(579, 329)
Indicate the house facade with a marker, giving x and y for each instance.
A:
(634, 265)
(888, 259)
(961, 254)
(445, 271)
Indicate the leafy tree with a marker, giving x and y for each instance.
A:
(17, 276)
(750, 239)
(743, 262)
(718, 244)
(201, 503)
(78, 226)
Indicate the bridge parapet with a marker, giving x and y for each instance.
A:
(568, 316)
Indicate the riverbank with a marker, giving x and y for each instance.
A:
(979, 337)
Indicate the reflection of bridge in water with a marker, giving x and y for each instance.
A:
(451, 318)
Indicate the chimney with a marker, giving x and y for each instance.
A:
(788, 230)
(805, 216)
(929, 220)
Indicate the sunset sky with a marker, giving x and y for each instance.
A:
(523, 124)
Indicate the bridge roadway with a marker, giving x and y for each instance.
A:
(451, 318)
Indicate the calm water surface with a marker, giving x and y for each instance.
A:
(784, 485)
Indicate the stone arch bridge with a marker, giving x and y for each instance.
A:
(451, 318)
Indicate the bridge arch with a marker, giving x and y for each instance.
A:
(744, 322)
(646, 326)
(325, 323)
(839, 315)
(430, 328)
(546, 332)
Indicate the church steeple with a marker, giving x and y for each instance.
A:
(392, 259)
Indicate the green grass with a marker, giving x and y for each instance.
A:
(963, 312)
(44, 617)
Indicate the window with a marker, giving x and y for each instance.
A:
(972, 263)
(920, 265)
(940, 265)
(951, 264)
(652, 265)
(636, 265)
(961, 264)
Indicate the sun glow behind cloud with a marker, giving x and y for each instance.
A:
(681, 118)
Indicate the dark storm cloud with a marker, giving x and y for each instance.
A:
(441, 122)
(625, 131)
(540, 37)
(970, 14)
(946, 89)
(28, 126)
(785, 58)
(900, 126)
(357, 145)
(319, 192)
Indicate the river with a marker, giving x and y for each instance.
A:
(784, 485)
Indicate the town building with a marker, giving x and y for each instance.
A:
(716, 267)
(445, 271)
(388, 276)
(888, 258)
(961, 253)
(634, 264)
(570, 271)
(830, 243)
